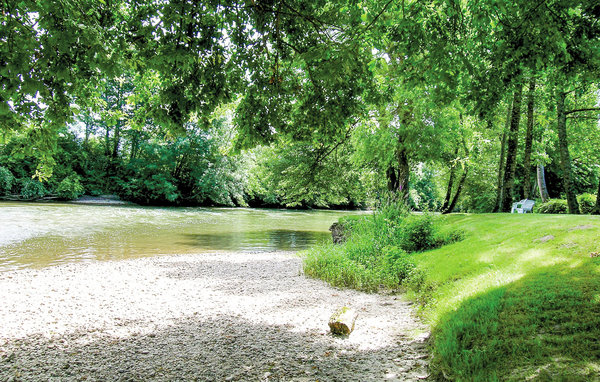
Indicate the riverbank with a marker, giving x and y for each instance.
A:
(229, 316)
(102, 200)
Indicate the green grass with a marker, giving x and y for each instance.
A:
(503, 304)
(379, 250)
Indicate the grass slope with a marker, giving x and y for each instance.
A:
(518, 299)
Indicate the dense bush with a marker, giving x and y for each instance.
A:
(553, 206)
(32, 189)
(417, 233)
(6, 181)
(70, 188)
(154, 189)
(587, 203)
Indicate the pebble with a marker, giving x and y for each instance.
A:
(209, 317)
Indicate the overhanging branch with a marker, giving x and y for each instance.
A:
(580, 110)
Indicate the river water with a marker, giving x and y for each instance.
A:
(43, 234)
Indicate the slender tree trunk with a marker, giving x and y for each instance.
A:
(116, 140)
(450, 183)
(118, 125)
(403, 171)
(87, 135)
(565, 158)
(459, 188)
(134, 146)
(528, 140)
(107, 142)
(596, 210)
(511, 151)
(541, 180)
(501, 162)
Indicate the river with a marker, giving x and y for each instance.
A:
(43, 234)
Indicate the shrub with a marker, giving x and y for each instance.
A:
(6, 181)
(70, 187)
(156, 189)
(417, 233)
(587, 203)
(378, 250)
(396, 265)
(32, 189)
(553, 206)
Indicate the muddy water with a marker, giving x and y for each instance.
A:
(37, 235)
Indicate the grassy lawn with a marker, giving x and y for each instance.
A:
(518, 299)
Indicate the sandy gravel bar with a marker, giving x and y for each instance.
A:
(213, 317)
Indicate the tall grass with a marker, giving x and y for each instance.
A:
(379, 249)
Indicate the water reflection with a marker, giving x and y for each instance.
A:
(45, 234)
(276, 239)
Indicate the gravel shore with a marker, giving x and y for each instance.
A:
(212, 317)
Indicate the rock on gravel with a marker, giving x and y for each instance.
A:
(210, 317)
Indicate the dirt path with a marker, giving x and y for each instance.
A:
(205, 317)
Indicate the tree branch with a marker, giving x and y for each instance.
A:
(580, 110)
(379, 14)
(582, 117)
(324, 154)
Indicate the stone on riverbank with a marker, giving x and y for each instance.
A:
(337, 233)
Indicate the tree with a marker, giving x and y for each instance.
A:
(528, 140)
(511, 151)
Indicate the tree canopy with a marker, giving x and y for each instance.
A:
(332, 101)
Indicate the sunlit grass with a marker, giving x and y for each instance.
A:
(517, 299)
(504, 304)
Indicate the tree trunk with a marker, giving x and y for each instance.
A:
(107, 142)
(541, 180)
(403, 171)
(118, 125)
(528, 140)
(450, 183)
(511, 151)
(565, 158)
(88, 129)
(392, 179)
(116, 140)
(501, 162)
(596, 210)
(134, 145)
(461, 182)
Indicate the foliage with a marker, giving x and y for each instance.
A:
(376, 252)
(6, 180)
(150, 189)
(553, 206)
(305, 175)
(417, 233)
(347, 97)
(70, 188)
(32, 188)
(185, 170)
(587, 203)
(424, 195)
